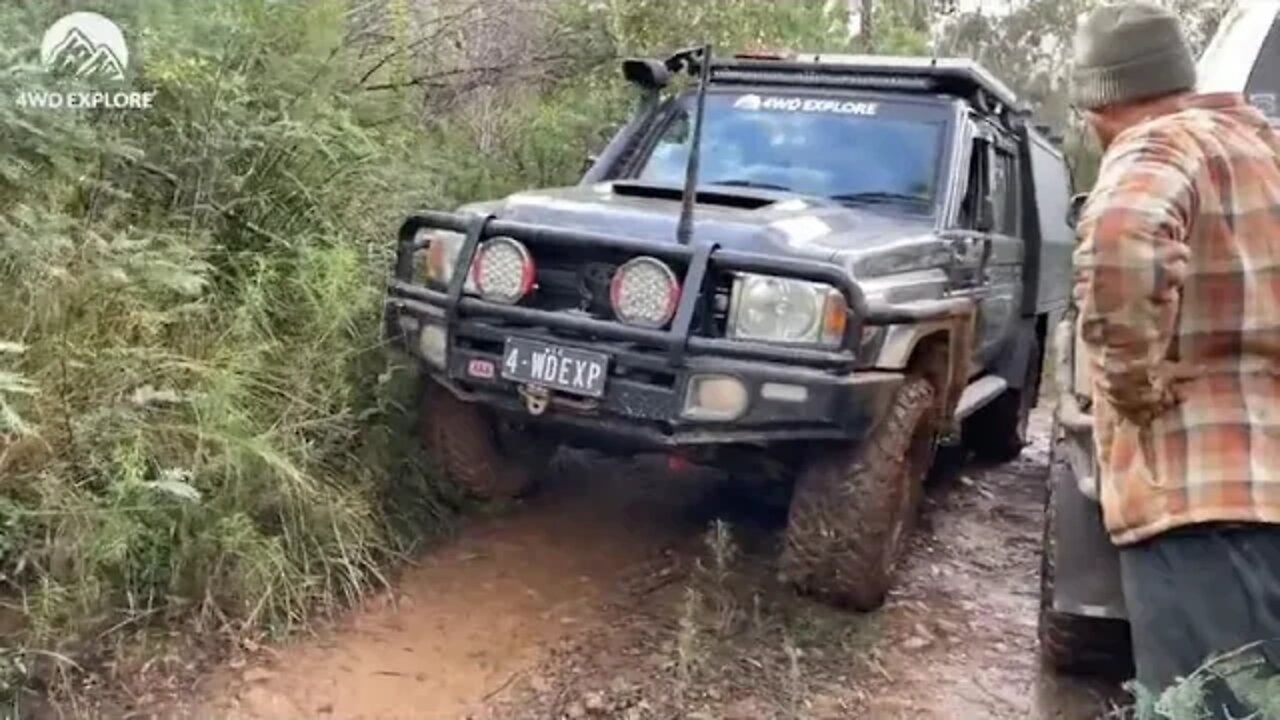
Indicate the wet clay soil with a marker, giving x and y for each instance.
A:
(600, 597)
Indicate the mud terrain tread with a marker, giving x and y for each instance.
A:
(848, 502)
(461, 438)
(1072, 644)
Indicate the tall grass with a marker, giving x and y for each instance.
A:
(197, 421)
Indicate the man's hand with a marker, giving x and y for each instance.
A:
(1130, 267)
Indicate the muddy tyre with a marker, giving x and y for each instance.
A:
(1074, 644)
(488, 459)
(998, 432)
(855, 506)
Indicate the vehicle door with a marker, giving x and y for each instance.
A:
(986, 250)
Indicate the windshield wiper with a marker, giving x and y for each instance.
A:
(880, 196)
(751, 184)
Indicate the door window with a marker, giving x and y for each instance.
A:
(975, 186)
(1004, 193)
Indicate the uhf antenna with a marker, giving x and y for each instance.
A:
(684, 230)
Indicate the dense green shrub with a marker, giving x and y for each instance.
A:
(197, 421)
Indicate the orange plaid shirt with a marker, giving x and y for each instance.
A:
(1178, 286)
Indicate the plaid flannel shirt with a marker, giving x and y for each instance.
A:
(1178, 286)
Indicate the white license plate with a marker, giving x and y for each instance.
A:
(580, 372)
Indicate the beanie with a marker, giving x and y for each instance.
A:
(1128, 52)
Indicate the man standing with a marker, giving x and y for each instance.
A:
(1178, 286)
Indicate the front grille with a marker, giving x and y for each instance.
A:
(571, 282)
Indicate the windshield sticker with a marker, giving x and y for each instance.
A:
(809, 105)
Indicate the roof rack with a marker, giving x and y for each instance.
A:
(953, 76)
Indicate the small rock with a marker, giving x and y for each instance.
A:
(744, 709)
(540, 684)
(619, 686)
(915, 642)
(575, 711)
(256, 675)
(325, 709)
(594, 703)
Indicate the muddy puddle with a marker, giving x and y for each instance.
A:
(602, 597)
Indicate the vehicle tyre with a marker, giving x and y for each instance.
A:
(997, 432)
(487, 458)
(1075, 644)
(854, 507)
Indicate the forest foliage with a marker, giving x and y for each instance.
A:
(199, 424)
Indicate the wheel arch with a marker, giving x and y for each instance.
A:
(942, 351)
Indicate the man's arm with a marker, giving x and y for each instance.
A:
(1130, 267)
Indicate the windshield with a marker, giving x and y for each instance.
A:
(853, 150)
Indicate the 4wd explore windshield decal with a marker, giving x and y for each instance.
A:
(805, 104)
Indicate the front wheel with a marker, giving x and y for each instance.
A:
(488, 458)
(854, 507)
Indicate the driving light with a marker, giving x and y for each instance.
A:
(503, 270)
(644, 292)
(776, 309)
(715, 397)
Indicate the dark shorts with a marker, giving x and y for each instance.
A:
(1200, 592)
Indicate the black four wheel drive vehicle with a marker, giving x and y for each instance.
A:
(803, 269)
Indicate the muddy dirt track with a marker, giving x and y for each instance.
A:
(623, 591)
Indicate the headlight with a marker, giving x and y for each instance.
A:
(442, 257)
(782, 310)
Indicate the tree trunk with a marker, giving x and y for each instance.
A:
(868, 25)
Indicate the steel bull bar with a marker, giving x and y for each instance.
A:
(406, 296)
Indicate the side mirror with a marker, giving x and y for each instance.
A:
(589, 161)
(1074, 208)
(986, 220)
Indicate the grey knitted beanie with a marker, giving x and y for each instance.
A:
(1127, 52)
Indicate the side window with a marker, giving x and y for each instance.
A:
(975, 186)
(1004, 192)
